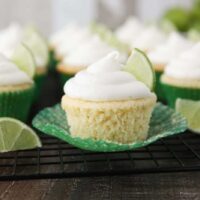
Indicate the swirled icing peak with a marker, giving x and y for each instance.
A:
(187, 65)
(10, 74)
(105, 80)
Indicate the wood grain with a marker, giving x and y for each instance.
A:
(174, 186)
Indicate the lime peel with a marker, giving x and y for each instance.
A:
(16, 135)
(140, 66)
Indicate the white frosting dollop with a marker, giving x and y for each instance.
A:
(10, 38)
(149, 39)
(187, 65)
(105, 81)
(89, 52)
(130, 30)
(70, 39)
(173, 47)
(10, 74)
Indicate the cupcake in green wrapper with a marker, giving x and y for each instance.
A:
(86, 53)
(14, 35)
(164, 54)
(181, 78)
(16, 90)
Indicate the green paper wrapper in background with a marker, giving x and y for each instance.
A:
(158, 87)
(172, 93)
(16, 104)
(64, 78)
(52, 60)
(39, 81)
(164, 122)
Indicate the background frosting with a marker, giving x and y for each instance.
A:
(10, 74)
(187, 65)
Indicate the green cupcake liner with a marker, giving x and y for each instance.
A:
(158, 87)
(64, 78)
(16, 104)
(52, 61)
(39, 81)
(172, 93)
(164, 122)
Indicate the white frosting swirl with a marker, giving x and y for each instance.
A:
(129, 30)
(149, 38)
(168, 51)
(187, 65)
(9, 39)
(89, 52)
(105, 80)
(10, 74)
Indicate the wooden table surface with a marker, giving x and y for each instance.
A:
(164, 186)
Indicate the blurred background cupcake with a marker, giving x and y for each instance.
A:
(16, 90)
(13, 35)
(181, 78)
(166, 52)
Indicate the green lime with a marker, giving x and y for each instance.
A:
(24, 59)
(108, 36)
(191, 111)
(15, 135)
(140, 66)
(37, 44)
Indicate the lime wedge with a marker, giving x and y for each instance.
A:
(191, 111)
(24, 59)
(37, 44)
(15, 135)
(108, 36)
(140, 66)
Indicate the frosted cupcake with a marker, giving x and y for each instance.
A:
(149, 39)
(10, 39)
(67, 40)
(165, 53)
(86, 53)
(130, 30)
(16, 90)
(181, 78)
(105, 103)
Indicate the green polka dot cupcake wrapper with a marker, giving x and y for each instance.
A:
(39, 81)
(16, 104)
(158, 87)
(172, 93)
(164, 122)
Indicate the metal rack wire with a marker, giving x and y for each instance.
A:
(57, 159)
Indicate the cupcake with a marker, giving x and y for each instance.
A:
(16, 90)
(86, 53)
(12, 36)
(149, 39)
(104, 102)
(129, 30)
(165, 53)
(181, 78)
(67, 40)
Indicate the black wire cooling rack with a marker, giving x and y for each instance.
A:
(57, 159)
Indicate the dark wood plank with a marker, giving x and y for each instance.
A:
(174, 186)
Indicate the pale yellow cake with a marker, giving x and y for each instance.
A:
(120, 121)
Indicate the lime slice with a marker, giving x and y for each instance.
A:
(140, 66)
(15, 135)
(37, 44)
(108, 36)
(24, 59)
(191, 111)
